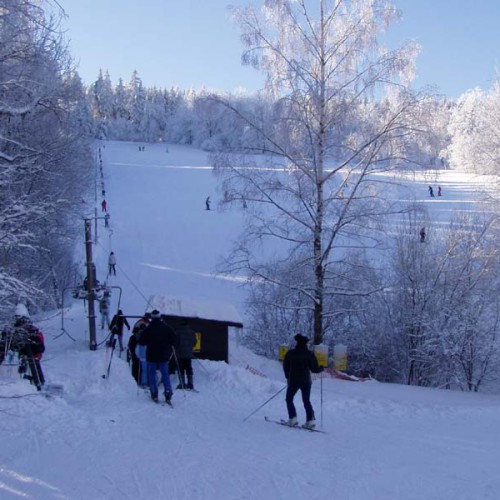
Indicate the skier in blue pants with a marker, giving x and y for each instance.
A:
(159, 340)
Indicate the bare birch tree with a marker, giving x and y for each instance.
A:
(345, 112)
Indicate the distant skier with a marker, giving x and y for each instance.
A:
(112, 264)
(439, 190)
(431, 192)
(207, 203)
(422, 235)
(298, 365)
(104, 206)
(106, 220)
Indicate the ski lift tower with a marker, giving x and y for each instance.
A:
(91, 277)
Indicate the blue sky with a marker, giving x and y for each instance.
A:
(193, 43)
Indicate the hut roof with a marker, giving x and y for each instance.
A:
(194, 308)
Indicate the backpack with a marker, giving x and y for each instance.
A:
(37, 346)
(35, 341)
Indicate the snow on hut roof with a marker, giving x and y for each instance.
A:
(194, 308)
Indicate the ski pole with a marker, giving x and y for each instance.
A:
(321, 399)
(264, 404)
(179, 372)
(113, 344)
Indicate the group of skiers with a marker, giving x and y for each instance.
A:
(27, 340)
(431, 191)
(104, 203)
(155, 346)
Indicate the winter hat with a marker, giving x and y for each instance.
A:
(21, 311)
(301, 339)
(155, 314)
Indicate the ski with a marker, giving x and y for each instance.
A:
(285, 424)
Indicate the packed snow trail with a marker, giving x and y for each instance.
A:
(104, 439)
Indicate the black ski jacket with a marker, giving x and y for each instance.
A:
(186, 339)
(158, 338)
(117, 323)
(298, 365)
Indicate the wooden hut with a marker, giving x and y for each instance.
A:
(211, 320)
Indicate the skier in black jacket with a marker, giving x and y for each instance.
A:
(159, 340)
(298, 365)
(186, 341)
(116, 327)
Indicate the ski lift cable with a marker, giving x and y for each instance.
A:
(128, 278)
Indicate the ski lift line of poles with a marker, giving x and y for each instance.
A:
(63, 330)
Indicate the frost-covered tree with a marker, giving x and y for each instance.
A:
(434, 321)
(120, 102)
(343, 112)
(475, 132)
(102, 97)
(44, 156)
(136, 98)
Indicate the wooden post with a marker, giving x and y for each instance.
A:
(90, 284)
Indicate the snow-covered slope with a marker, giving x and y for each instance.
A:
(104, 439)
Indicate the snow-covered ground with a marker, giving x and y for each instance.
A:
(104, 439)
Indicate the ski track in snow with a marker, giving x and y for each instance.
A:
(104, 439)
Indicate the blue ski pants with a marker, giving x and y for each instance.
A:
(153, 383)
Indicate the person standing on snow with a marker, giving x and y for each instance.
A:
(112, 264)
(186, 341)
(298, 365)
(140, 350)
(104, 206)
(431, 192)
(439, 190)
(422, 235)
(104, 305)
(32, 347)
(207, 203)
(116, 327)
(132, 358)
(159, 340)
